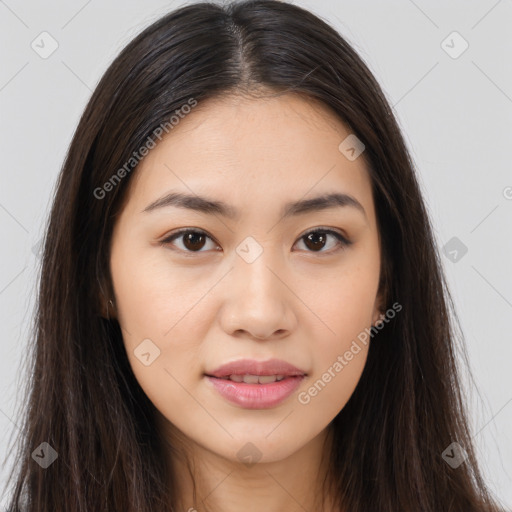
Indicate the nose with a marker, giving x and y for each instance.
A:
(258, 303)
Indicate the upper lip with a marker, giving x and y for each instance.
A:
(253, 367)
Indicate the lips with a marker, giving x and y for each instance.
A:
(256, 384)
(272, 367)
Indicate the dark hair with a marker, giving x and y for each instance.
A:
(83, 398)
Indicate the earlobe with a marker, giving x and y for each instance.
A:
(106, 303)
(378, 310)
(110, 310)
(107, 309)
(377, 317)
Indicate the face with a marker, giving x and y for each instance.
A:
(239, 317)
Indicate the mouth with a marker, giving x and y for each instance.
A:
(251, 368)
(253, 379)
(254, 384)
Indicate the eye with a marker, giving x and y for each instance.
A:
(316, 240)
(193, 240)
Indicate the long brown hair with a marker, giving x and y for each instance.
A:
(82, 397)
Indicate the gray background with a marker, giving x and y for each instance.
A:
(456, 115)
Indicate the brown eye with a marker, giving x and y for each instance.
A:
(192, 240)
(316, 240)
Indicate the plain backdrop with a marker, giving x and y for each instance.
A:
(444, 66)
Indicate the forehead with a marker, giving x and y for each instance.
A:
(238, 149)
(240, 124)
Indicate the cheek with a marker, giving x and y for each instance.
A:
(156, 315)
(345, 308)
(339, 356)
(153, 296)
(344, 304)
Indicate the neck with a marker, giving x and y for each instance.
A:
(293, 484)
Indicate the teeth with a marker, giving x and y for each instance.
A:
(251, 379)
(266, 379)
(255, 379)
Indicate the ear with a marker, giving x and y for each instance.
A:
(383, 294)
(378, 309)
(107, 309)
(105, 300)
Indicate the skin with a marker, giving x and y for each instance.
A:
(203, 309)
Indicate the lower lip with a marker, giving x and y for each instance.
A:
(256, 396)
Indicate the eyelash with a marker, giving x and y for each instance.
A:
(342, 241)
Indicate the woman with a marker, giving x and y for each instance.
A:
(241, 303)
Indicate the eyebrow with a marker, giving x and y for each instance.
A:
(213, 207)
